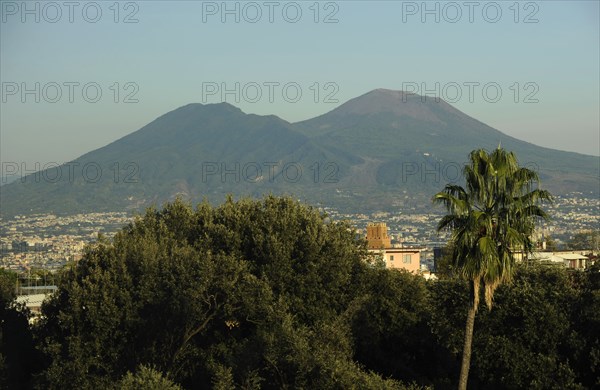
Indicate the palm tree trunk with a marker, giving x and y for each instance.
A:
(466, 358)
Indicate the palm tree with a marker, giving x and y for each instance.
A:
(490, 219)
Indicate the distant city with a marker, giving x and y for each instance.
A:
(49, 242)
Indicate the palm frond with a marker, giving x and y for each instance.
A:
(493, 216)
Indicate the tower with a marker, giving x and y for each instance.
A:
(377, 236)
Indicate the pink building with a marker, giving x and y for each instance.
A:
(379, 243)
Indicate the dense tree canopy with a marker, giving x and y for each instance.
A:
(589, 240)
(18, 357)
(543, 333)
(272, 294)
(249, 293)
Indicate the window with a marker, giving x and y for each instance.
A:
(406, 259)
(391, 257)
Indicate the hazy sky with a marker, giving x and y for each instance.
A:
(529, 69)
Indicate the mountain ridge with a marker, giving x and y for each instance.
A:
(359, 156)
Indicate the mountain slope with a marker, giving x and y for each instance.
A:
(195, 151)
(380, 150)
(401, 130)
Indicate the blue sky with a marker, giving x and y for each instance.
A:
(543, 57)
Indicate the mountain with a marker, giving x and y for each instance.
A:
(382, 150)
(398, 133)
(195, 151)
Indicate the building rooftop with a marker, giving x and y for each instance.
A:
(31, 301)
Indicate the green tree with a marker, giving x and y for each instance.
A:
(146, 378)
(551, 244)
(490, 219)
(526, 341)
(444, 267)
(586, 240)
(248, 294)
(150, 297)
(585, 322)
(18, 357)
(8, 280)
(390, 325)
